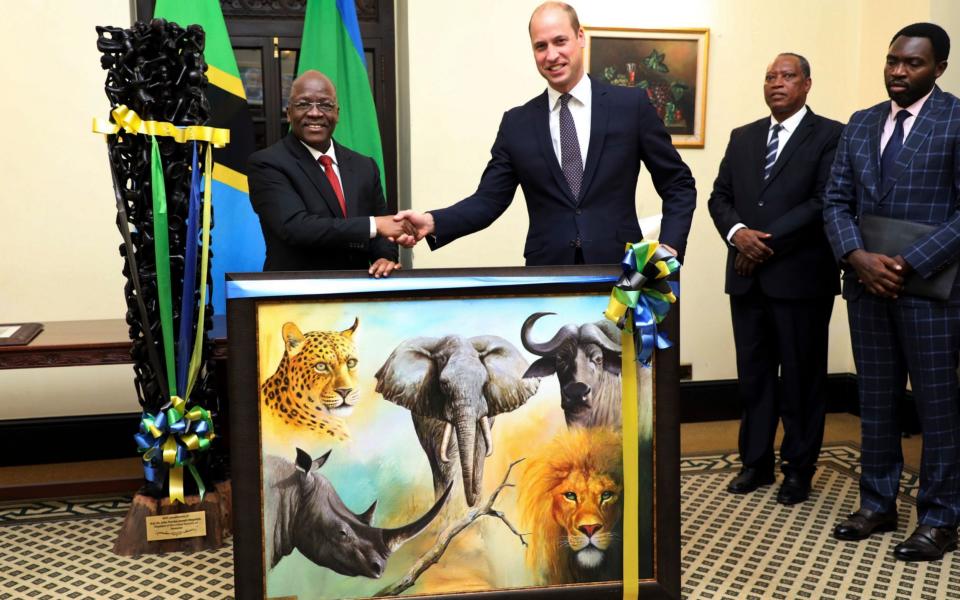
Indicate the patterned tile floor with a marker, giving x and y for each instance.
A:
(733, 547)
(752, 548)
(62, 549)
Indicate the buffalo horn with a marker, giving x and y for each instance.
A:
(546, 348)
(589, 332)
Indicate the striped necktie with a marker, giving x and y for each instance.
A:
(772, 149)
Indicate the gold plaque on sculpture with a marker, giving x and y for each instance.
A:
(176, 526)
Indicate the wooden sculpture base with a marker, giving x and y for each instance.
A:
(217, 506)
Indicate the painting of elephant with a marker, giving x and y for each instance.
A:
(304, 512)
(454, 386)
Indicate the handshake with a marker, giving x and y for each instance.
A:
(405, 228)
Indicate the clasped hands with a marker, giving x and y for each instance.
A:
(405, 228)
(751, 250)
(882, 275)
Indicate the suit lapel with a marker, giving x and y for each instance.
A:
(874, 131)
(757, 149)
(598, 133)
(922, 127)
(541, 120)
(804, 129)
(314, 173)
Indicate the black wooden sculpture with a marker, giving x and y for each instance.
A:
(156, 70)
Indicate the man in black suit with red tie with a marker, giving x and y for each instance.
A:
(320, 204)
(781, 277)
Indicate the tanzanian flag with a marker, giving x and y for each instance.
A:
(331, 44)
(237, 242)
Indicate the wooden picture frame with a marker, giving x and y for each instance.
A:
(483, 303)
(671, 64)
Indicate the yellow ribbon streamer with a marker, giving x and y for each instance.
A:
(128, 120)
(194, 368)
(631, 469)
(176, 485)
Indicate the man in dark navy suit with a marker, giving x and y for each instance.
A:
(901, 159)
(576, 152)
(767, 204)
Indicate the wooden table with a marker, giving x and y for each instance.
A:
(85, 343)
(85, 437)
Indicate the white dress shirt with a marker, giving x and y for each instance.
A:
(316, 154)
(891, 121)
(579, 106)
(787, 127)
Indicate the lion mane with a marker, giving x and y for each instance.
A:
(563, 481)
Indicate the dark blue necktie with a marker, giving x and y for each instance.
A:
(570, 160)
(889, 156)
(772, 146)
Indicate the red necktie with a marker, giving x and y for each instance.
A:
(327, 163)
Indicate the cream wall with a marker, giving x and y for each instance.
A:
(58, 240)
(459, 85)
(461, 65)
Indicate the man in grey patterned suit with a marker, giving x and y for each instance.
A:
(901, 160)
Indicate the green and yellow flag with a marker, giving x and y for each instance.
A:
(331, 44)
(237, 241)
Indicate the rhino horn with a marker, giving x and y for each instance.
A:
(367, 515)
(394, 538)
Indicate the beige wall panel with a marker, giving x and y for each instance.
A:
(462, 64)
(59, 258)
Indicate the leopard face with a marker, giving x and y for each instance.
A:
(315, 384)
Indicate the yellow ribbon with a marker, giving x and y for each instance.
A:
(128, 120)
(176, 485)
(170, 450)
(631, 468)
(194, 368)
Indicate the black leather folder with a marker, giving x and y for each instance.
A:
(884, 235)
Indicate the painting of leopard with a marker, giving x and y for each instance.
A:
(315, 384)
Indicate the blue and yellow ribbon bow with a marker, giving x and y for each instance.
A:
(644, 289)
(167, 440)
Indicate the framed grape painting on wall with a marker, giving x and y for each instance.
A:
(670, 64)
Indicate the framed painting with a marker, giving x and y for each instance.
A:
(446, 433)
(670, 64)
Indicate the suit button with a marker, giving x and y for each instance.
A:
(578, 211)
(760, 203)
(573, 244)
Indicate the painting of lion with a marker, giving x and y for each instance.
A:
(571, 502)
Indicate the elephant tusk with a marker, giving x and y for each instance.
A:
(487, 434)
(445, 443)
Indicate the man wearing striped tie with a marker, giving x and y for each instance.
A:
(781, 277)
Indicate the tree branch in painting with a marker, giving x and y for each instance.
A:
(446, 536)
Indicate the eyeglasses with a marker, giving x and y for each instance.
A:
(303, 106)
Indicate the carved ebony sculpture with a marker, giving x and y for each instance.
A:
(156, 68)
